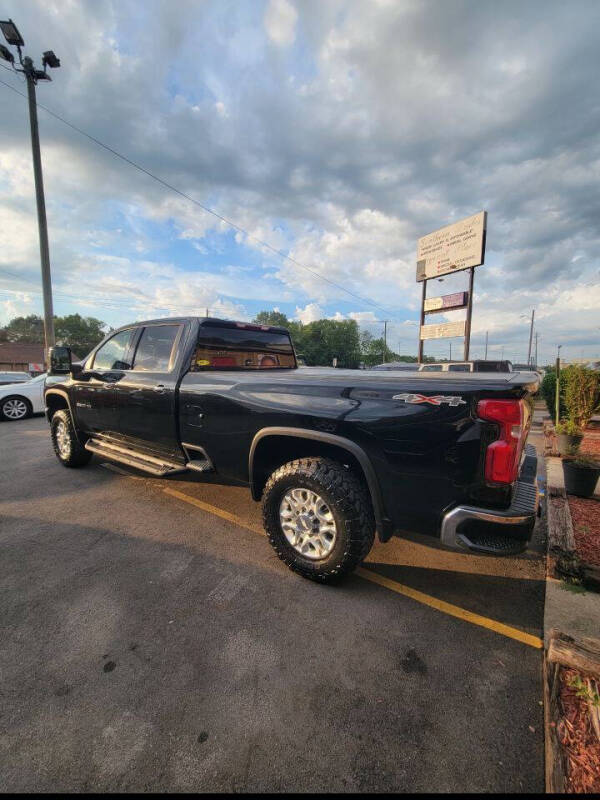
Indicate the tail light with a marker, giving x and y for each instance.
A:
(502, 456)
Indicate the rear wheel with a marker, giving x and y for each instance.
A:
(69, 450)
(318, 518)
(15, 408)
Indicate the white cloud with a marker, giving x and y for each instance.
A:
(280, 22)
(310, 313)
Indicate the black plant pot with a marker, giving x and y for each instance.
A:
(568, 444)
(580, 480)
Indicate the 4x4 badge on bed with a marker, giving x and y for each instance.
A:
(434, 400)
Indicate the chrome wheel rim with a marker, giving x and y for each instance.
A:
(15, 409)
(307, 523)
(63, 442)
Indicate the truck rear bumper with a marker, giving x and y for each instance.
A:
(505, 532)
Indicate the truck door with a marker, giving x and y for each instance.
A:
(145, 395)
(94, 388)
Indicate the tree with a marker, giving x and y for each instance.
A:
(24, 329)
(272, 318)
(80, 333)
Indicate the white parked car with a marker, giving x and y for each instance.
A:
(20, 400)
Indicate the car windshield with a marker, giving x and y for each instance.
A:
(14, 376)
(39, 378)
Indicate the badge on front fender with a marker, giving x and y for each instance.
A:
(434, 400)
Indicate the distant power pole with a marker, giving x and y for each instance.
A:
(450, 351)
(486, 344)
(33, 75)
(536, 350)
(530, 338)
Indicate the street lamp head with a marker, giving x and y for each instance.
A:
(50, 59)
(40, 75)
(11, 33)
(6, 54)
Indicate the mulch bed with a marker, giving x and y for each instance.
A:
(578, 739)
(585, 514)
(590, 444)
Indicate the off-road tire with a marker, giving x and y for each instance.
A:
(21, 399)
(349, 503)
(77, 456)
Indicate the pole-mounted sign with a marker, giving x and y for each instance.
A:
(446, 303)
(450, 249)
(453, 248)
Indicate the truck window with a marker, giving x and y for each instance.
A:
(432, 368)
(459, 368)
(153, 353)
(245, 347)
(112, 355)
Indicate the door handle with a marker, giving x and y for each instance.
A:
(160, 388)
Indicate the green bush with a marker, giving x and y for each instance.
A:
(548, 391)
(581, 393)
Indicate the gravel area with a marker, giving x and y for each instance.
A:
(585, 515)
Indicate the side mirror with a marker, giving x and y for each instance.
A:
(60, 360)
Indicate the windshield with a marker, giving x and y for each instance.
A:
(39, 379)
(14, 376)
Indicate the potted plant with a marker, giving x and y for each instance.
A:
(581, 475)
(568, 437)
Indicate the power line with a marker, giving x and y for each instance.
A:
(207, 210)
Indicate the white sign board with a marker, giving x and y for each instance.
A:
(450, 249)
(443, 331)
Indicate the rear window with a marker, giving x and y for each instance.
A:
(242, 348)
(459, 368)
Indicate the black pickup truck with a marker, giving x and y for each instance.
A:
(336, 455)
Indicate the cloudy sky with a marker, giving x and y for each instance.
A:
(337, 132)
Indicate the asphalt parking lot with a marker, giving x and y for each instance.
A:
(151, 641)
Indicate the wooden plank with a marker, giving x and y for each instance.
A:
(575, 653)
(555, 772)
(561, 538)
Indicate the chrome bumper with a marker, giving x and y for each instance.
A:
(521, 513)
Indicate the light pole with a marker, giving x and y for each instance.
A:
(33, 75)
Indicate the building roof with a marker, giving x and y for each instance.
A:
(23, 353)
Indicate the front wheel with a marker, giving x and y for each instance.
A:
(15, 408)
(318, 518)
(69, 450)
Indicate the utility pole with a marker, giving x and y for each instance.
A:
(530, 338)
(33, 75)
(450, 351)
(486, 344)
(536, 350)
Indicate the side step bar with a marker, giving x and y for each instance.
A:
(133, 458)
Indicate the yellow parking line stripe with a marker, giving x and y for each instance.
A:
(452, 610)
(374, 577)
(218, 512)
